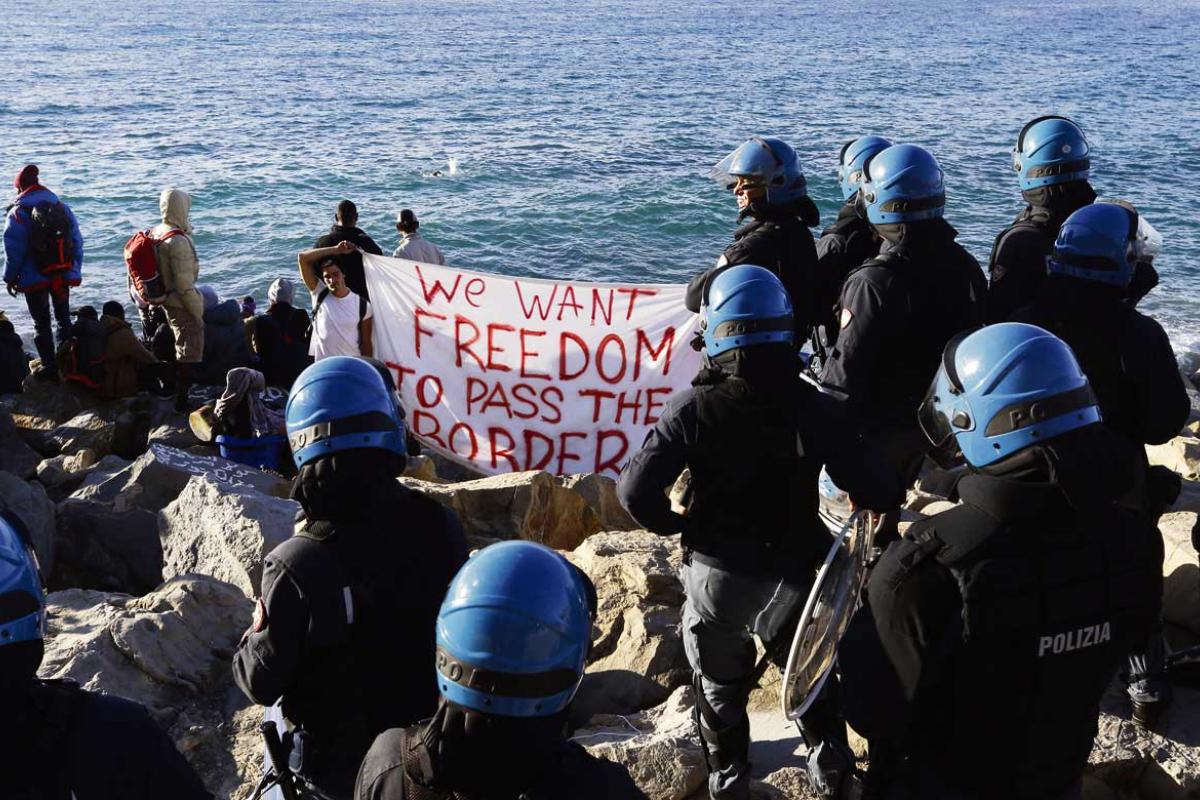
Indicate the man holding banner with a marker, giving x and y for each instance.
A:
(755, 438)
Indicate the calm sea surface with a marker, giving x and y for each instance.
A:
(572, 138)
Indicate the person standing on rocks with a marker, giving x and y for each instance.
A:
(43, 259)
(1129, 363)
(755, 437)
(345, 229)
(512, 640)
(341, 320)
(343, 633)
(59, 741)
(412, 245)
(990, 632)
(179, 268)
(764, 175)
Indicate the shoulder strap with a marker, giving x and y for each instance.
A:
(321, 295)
(362, 308)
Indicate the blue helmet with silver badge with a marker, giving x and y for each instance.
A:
(745, 305)
(22, 601)
(1050, 150)
(768, 162)
(513, 632)
(853, 158)
(1004, 388)
(1104, 242)
(903, 183)
(341, 403)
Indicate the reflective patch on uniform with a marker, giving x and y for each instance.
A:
(846, 317)
(1088, 636)
(260, 616)
(722, 260)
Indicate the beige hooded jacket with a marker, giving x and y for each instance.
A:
(177, 260)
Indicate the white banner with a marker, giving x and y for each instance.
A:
(509, 374)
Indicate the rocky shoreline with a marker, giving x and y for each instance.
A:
(153, 547)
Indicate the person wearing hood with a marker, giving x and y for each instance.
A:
(179, 268)
(755, 437)
(1052, 159)
(124, 354)
(343, 634)
(345, 229)
(1130, 365)
(897, 311)
(14, 361)
(846, 244)
(765, 176)
(990, 632)
(225, 345)
(43, 252)
(278, 336)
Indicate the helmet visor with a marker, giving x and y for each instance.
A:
(935, 424)
(1147, 242)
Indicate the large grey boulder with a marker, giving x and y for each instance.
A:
(44, 406)
(159, 475)
(99, 548)
(637, 656)
(1125, 753)
(658, 746)
(520, 505)
(89, 430)
(55, 472)
(1181, 571)
(16, 456)
(600, 492)
(28, 502)
(212, 530)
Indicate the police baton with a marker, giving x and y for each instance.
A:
(279, 759)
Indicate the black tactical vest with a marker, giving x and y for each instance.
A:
(373, 591)
(1050, 605)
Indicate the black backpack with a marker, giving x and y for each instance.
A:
(81, 357)
(51, 245)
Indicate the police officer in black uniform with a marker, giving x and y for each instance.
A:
(755, 437)
(512, 640)
(765, 175)
(58, 742)
(991, 631)
(899, 309)
(343, 631)
(1051, 158)
(1129, 363)
(846, 244)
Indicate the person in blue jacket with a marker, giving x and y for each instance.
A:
(43, 253)
(59, 742)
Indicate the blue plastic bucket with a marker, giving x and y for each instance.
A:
(263, 452)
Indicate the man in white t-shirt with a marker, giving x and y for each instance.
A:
(341, 320)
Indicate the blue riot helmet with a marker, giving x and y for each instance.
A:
(513, 632)
(745, 305)
(1050, 150)
(853, 158)
(341, 403)
(22, 601)
(1003, 388)
(1103, 242)
(769, 162)
(902, 183)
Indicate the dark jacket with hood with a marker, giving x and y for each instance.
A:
(14, 362)
(344, 632)
(755, 437)
(1018, 263)
(352, 263)
(992, 630)
(844, 246)
(777, 238)
(279, 340)
(896, 314)
(224, 343)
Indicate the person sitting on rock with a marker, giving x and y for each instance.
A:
(224, 339)
(343, 633)
(14, 361)
(755, 437)
(512, 640)
(57, 740)
(279, 336)
(128, 365)
(991, 631)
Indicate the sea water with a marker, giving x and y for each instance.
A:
(565, 138)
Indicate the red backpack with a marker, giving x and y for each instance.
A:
(141, 259)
